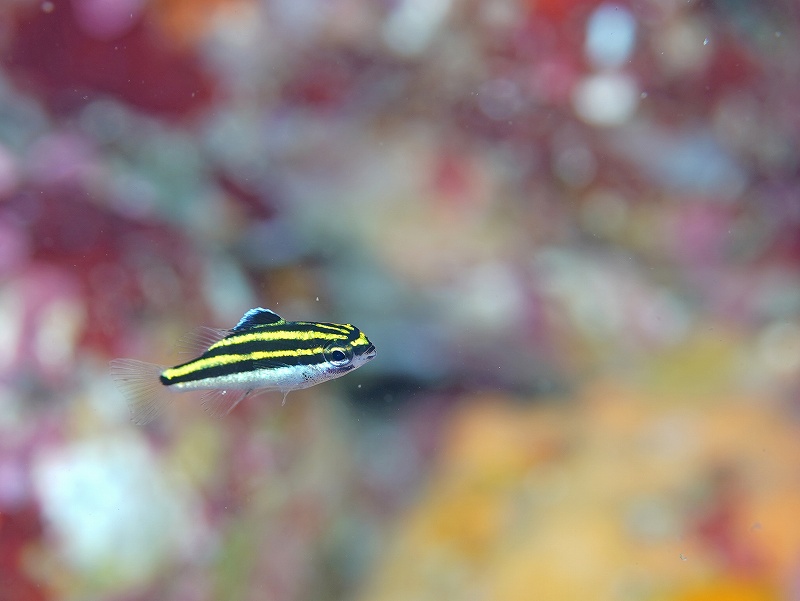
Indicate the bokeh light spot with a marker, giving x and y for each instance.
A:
(610, 36)
(606, 99)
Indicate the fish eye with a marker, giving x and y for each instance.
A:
(338, 355)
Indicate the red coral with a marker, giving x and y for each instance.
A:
(54, 57)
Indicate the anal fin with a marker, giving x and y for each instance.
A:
(219, 403)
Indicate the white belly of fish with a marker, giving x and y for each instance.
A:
(275, 378)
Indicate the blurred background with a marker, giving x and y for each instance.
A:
(570, 227)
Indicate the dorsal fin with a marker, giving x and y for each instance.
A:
(257, 317)
(198, 340)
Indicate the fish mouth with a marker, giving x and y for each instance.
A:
(370, 352)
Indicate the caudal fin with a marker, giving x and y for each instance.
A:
(138, 381)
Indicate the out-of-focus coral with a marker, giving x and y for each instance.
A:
(618, 494)
(19, 526)
(70, 53)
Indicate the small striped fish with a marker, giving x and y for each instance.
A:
(262, 352)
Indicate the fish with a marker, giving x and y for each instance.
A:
(260, 353)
